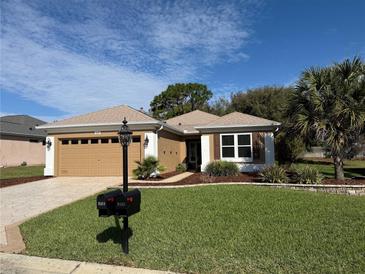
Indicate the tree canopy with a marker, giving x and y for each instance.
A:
(329, 105)
(180, 98)
(269, 102)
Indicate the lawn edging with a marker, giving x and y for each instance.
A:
(355, 190)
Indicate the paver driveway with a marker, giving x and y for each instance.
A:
(21, 202)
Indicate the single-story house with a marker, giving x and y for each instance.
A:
(87, 145)
(20, 141)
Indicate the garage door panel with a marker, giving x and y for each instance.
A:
(101, 159)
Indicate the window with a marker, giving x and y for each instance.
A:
(136, 139)
(104, 140)
(74, 141)
(65, 142)
(228, 146)
(94, 141)
(236, 147)
(115, 140)
(84, 141)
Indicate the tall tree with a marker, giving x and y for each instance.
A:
(269, 102)
(329, 105)
(180, 98)
(220, 106)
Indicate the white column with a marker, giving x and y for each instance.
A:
(205, 150)
(269, 149)
(152, 148)
(49, 169)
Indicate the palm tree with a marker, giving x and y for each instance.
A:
(329, 106)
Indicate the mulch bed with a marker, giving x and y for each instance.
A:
(18, 181)
(343, 182)
(164, 176)
(199, 178)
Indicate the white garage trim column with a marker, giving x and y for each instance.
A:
(205, 150)
(49, 169)
(269, 149)
(152, 147)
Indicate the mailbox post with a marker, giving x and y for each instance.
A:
(121, 202)
(125, 140)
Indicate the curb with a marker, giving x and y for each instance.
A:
(14, 239)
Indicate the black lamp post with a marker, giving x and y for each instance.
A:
(125, 139)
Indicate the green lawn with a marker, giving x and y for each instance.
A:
(352, 168)
(21, 171)
(219, 229)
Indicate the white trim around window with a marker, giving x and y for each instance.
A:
(235, 147)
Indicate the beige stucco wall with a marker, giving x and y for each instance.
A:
(171, 150)
(15, 151)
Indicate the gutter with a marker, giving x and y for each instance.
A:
(94, 125)
(236, 126)
(22, 135)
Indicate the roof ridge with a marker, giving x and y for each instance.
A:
(190, 112)
(92, 112)
(241, 114)
(142, 112)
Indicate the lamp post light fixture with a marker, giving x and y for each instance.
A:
(125, 137)
(146, 141)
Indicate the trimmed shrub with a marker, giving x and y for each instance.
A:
(222, 168)
(288, 147)
(150, 167)
(274, 175)
(307, 175)
(181, 167)
(24, 163)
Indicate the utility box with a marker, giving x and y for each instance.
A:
(119, 203)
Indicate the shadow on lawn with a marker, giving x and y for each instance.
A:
(324, 161)
(116, 234)
(356, 170)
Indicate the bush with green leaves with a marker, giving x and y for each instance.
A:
(288, 148)
(181, 167)
(274, 175)
(149, 167)
(307, 175)
(222, 168)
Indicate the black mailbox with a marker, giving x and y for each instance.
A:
(119, 203)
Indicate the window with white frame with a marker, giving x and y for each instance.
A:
(236, 147)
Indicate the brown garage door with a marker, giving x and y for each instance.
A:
(95, 156)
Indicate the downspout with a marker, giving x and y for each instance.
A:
(157, 130)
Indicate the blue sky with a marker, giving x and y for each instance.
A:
(61, 58)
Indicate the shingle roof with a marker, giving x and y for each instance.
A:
(188, 121)
(21, 125)
(106, 116)
(241, 119)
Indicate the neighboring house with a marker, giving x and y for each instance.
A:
(87, 145)
(20, 141)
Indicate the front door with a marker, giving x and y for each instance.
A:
(194, 154)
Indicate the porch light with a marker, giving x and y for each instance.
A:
(124, 134)
(49, 143)
(146, 141)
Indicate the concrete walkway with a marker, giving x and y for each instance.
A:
(21, 202)
(15, 263)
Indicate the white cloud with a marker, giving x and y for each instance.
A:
(125, 52)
